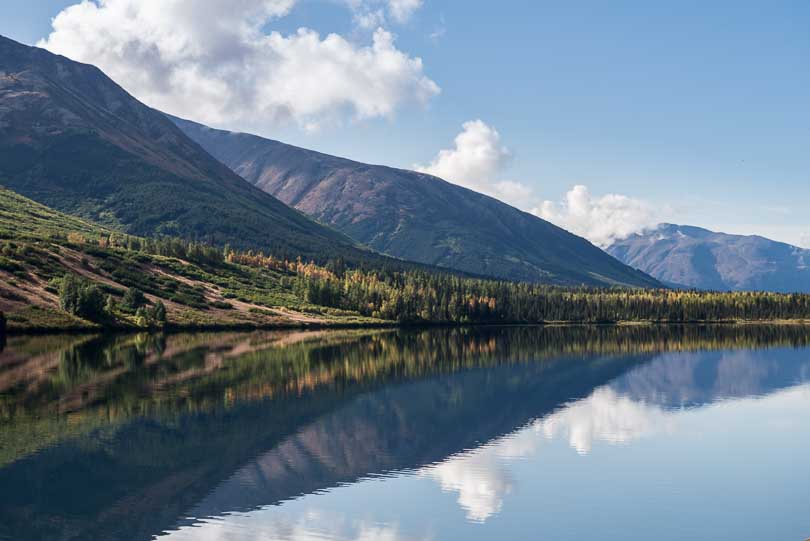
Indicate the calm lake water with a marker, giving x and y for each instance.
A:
(493, 433)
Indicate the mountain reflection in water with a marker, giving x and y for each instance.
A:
(133, 437)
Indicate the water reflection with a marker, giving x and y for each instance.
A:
(483, 478)
(639, 403)
(196, 435)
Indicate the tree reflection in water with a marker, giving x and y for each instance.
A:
(123, 437)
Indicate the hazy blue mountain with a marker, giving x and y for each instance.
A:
(74, 140)
(415, 216)
(687, 256)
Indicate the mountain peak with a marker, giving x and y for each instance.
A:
(73, 139)
(688, 256)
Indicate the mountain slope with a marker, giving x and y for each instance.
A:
(692, 257)
(415, 216)
(39, 246)
(74, 140)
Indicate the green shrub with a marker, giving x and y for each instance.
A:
(82, 298)
(133, 299)
(159, 312)
(9, 265)
(151, 317)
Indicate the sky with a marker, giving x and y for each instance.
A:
(604, 117)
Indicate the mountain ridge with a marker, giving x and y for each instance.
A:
(694, 257)
(415, 216)
(74, 140)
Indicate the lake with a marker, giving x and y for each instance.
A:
(560, 433)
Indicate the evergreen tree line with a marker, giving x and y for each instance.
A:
(193, 251)
(414, 296)
(421, 297)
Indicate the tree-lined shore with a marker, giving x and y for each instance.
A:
(60, 273)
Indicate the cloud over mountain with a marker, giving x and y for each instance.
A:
(216, 62)
(476, 162)
(601, 220)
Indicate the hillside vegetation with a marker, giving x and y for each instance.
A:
(40, 246)
(58, 271)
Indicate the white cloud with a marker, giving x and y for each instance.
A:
(605, 416)
(602, 220)
(476, 162)
(370, 19)
(311, 525)
(213, 62)
(483, 477)
(479, 479)
(402, 10)
(371, 14)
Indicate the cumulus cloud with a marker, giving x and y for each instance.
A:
(483, 477)
(476, 162)
(478, 159)
(601, 220)
(214, 62)
(605, 416)
(479, 479)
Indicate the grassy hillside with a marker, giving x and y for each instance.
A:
(39, 246)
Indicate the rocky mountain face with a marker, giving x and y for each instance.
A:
(686, 256)
(72, 139)
(415, 216)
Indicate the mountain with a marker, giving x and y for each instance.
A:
(686, 256)
(74, 140)
(415, 216)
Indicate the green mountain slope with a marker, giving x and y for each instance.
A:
(416, 216)
(74, 140)
(39, 246)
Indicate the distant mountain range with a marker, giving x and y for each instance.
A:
(72, 139)
(686, 256)
(415, 216)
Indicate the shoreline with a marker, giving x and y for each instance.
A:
(175, 329)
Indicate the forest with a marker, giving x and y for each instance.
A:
(59, 271)
(418, 296)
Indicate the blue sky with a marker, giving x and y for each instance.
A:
(700, 110)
